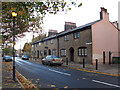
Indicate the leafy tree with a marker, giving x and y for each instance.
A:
(8, 50)
(27, 49)
(30, 16)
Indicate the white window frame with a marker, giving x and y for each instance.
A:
(54, 51)
(66, 37)
(76, 35)
(82, 51)
(51, 41)
(39, 44)
(63, 52)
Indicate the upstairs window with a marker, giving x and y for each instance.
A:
(39, 44)
(47, 42)
(63, 52)
(76, 35)
(82, 51)
(51, 41)
(66, 37)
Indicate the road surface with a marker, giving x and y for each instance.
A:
(44, 76)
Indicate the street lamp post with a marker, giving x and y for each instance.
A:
(14, 14)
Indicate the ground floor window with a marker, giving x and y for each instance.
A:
(54, 52)
(45, 52)
(82, 51)
(63, 52)
(40, 53)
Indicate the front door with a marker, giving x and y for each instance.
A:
(71, 50)
(49, 52)
(38, 54)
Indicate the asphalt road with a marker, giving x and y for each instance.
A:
(61, 77)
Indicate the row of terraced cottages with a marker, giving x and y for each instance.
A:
(75, 43)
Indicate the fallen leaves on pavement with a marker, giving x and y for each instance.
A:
(83, 78)
(25, 82)
(66, 87)
(52, 85)
(38, 79)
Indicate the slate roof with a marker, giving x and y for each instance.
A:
(66, 32)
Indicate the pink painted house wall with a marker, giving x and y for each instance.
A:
(119, 41)
(104, 38)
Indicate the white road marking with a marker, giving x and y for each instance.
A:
(60, 72)
(106, 83)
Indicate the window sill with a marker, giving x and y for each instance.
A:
(63, 56)
(82, 56)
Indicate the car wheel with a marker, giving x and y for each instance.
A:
(49, 63)
(43, 62)
(60, 64)
(6, 61)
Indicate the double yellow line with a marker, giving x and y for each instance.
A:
(117, 75)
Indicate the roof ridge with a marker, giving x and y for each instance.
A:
(65, 32)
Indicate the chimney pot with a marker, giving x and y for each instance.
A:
(103, 9)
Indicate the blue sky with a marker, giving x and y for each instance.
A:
(88, 12)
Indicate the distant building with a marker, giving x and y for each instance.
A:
(75, 43)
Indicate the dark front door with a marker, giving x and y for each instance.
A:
(38, 54)
(71, 50)
(49, 52)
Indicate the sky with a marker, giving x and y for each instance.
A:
(88, 12)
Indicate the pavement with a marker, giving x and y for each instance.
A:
(107, 69)
(7, 79)
(0, 74)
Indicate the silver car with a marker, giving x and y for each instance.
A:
(52, 59)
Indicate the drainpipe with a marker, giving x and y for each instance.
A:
(58, 45)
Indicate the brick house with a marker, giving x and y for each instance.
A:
(75, 43)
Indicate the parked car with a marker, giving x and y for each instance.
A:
(7, 58)
(16, 55)
(25, 57)
(52, 59)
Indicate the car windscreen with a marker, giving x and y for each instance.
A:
(25, 56)
(8, 57)
(54, 56)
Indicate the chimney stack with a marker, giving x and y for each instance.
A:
(69, 26)
(52, 32)
(104, 14)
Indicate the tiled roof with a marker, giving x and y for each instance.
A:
(66, 32)
(83, 26)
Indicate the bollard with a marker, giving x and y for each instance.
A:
(109, 57)
(103, 57)
(66, 61)
(83, 63)
(96, 64)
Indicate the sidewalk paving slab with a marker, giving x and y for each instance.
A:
(7, 78)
